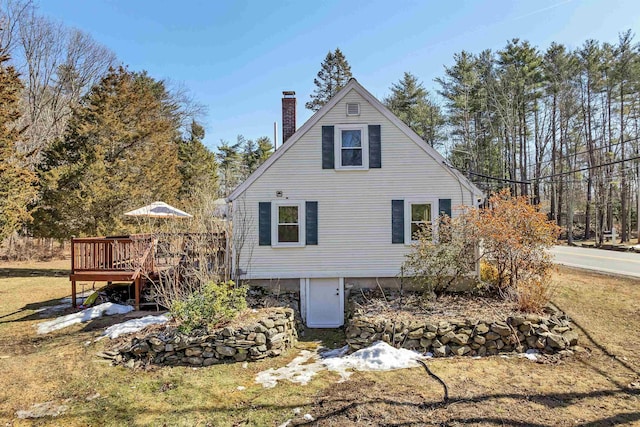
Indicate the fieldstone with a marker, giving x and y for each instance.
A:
(571, 337)
(431, 327)
(462, 350)
(444, 327)
(156, 341)
(193, 351)
(251, 336)
(195, 360)
(499, 344)
(517, 320)
(416, 334)
(425, 343)
(482, 328)
(261, 338)
(240, 357)
(491, 336)
(479, 339)
(531, 341)
(261, 348)
(447, 337)
(555, 341)
(208, 354)
(261, 329)
(491, 345)
(481, 351)
(460, 339)
(271, 332)
(209, 361)
(430, 335)
(440, 351)
(412, 344)
(224, 350)
(268, 323)
(501, 329)
(140, 348)
(560, 329)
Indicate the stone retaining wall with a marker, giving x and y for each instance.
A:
(267, 337)
(548, 334)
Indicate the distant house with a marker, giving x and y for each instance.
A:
(336, 204)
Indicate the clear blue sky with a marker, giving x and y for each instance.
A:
(236, 57)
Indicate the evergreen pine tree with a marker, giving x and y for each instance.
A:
(118, 152)
(198, 168)
(334, 74)
(410, 102)
(16, 181)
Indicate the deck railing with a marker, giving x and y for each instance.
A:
(114, 253)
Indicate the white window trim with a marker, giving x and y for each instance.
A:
(364, 132)
(301, 224)
(407, 217)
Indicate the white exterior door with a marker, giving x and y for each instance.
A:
(324, 300)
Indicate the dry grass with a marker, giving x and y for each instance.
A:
(585, 390)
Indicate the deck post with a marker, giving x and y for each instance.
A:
(73, 282)
(137, 292)
(73, 294)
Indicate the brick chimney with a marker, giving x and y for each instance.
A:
(288, 114)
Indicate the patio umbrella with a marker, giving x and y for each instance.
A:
(159, 210)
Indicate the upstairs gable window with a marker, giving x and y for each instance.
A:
(352, 148)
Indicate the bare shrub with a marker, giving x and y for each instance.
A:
(192, 261)
(442, 255)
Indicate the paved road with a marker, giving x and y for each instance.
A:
(624, 263)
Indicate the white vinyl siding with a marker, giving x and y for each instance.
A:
(354, 209)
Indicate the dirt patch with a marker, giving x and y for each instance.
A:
(414, 306)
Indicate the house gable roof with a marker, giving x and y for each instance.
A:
(354, 85)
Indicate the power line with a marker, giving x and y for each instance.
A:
(513, 181)
(583, 152)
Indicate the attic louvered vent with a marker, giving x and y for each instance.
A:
(353, 109)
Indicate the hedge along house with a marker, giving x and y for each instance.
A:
(337, 203)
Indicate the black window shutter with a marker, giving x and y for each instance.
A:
(444, 207)
(264, 223)
(328, 152)
(397, 221)
(311, 223)
(375, 150)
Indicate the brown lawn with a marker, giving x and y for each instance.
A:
(600, 388)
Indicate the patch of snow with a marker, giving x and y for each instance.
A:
(241, 387)
(380, 356)
(296, 411)
(531, 354)
(106, 309)
(133, 325)
(308, 417)
(39, 410)
(286, 423)
(245, 365)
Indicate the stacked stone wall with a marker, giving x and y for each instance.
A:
(267, 337)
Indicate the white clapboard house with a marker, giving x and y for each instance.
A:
(336, 204)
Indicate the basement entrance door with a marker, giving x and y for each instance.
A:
(324, 302)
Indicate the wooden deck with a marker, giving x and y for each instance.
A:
(112, 259)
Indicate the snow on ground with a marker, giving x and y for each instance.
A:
(380, 356)
(133, 325)
(62, 305)
(106, 309)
